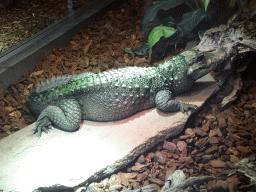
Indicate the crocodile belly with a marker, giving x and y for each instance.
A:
(112, 107)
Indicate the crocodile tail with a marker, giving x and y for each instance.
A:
(53, 82)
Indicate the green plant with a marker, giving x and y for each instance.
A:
(157, 33)
(171, 30)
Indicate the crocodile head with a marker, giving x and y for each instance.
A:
(201, 63)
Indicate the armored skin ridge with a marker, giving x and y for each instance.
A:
(63, 102)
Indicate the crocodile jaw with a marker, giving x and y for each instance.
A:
(200, 69)
(206, 62)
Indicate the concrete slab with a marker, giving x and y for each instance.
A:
(64, 159)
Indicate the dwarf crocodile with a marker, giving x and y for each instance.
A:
(116, 94)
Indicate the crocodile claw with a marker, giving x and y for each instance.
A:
(43, 124)
(185, 107)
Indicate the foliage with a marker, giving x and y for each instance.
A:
(172, 31)
(152, 11)
(157, 33)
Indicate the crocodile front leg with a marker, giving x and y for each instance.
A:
(165, 103)
(67, 117)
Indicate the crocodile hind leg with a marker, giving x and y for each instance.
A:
(66, 116)
(165, 103)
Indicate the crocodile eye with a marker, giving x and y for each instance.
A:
(200, 58)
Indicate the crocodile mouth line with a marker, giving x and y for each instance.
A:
(198, 70)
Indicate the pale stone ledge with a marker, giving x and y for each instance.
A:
(97, 149)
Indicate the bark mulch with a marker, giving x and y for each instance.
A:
(212, 146)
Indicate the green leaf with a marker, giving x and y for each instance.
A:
(150, 53)
(152, 11)
(143, 50)
(188, 23)
(169, 21)
(128, 50)
(190, 20)
(206, 3)
(158, 32)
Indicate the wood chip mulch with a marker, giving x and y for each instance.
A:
(218, 140)
(24, 18)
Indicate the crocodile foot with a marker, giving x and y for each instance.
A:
(43, 124)
(185, 107)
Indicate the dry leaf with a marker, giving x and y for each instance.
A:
(7, 128)
(139, 167)
(26, 92)
(123, 179)
(86, 48)
(37, 73)
(87, 62)
(93, 62)
(9, 108)
(108, 26)
(51, 57)
(130, 175)
(126, 58)
(15, 114)
(133, 36)
(30, 86)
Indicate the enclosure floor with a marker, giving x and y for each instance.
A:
(71, 158)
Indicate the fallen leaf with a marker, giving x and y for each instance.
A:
(86, 48)
(37, 73)
(15, 114)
